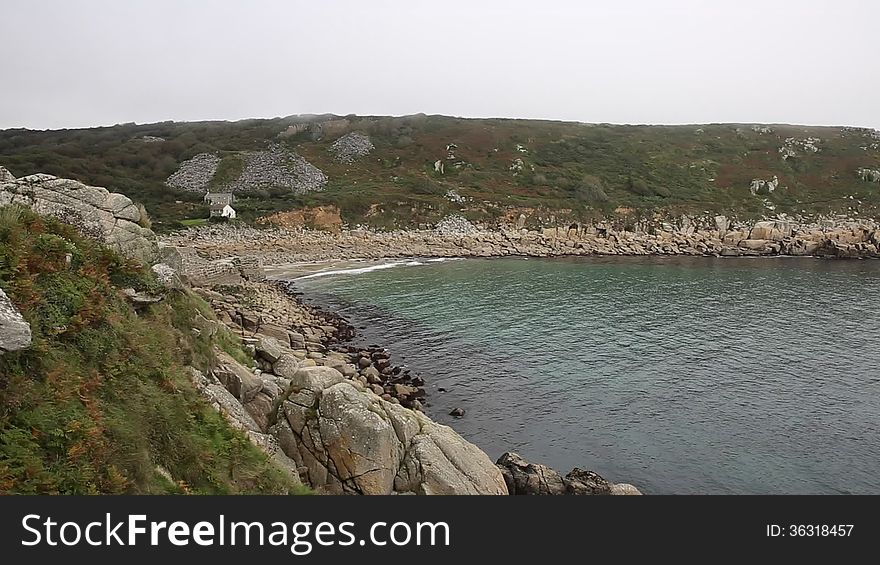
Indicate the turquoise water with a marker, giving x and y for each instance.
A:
(679, 375)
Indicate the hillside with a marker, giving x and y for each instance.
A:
(101, 401)
(409, 171)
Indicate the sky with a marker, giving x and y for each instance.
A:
(82, 63)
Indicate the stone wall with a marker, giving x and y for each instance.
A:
(224, 271)
(108, 217)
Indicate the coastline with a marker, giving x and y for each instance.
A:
(220, 255)
(840, 238)
(288, 336)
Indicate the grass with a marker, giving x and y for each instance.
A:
(101, 400)
(649, 169)
(190, 222)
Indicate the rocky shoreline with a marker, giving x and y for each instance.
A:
(296, 348)
(715, 237)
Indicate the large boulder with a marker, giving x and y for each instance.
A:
(771, 230)
(352, 441)
(15, 332)
(108, 217)
(238, 379)
(269, 349)
(523, 477)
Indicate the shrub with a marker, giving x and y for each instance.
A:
(144, 221)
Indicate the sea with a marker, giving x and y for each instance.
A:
(678, 375)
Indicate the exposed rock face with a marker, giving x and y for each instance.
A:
(15, 332)
(352, 441)
(224, 402)
(195, 174)
(524, 478)
(108, 217)
(238, 380)
(351, 146)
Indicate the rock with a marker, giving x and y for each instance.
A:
(372, 374)
(364, 362)
(140, 299)
(269, 349)
(277, 332)
(754, 244)
(457, 412)
(297, 340)
(356, 442)
(110, 218)
(624, 489)
(524, 478)
(15, 332)
(231, 409)
(286, 366)
(770, 230)
(403, 390)
(579, 481)
(237, 378)
(167, 276)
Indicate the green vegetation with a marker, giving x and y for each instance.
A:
(569, 169)
(230, 168)
(101, 400)
(188, 223)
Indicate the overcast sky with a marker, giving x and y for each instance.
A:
(74, 63)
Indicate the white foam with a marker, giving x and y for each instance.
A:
(389, 265)
(357, 271)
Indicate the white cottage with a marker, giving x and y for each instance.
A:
(222, 211)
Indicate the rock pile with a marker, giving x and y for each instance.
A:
(272, 310)
(351, 146)
(454, 224)
(278, 167)
(195, 174)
